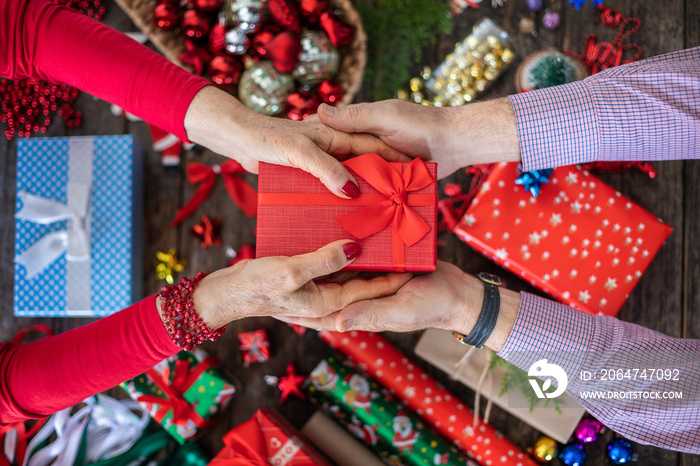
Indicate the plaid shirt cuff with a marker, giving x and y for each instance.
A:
(542, 326)
(557, 126)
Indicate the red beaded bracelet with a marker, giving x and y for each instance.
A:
(183, 324)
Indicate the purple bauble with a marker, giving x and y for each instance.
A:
(587, 430)
(550, 20)
(534, 5)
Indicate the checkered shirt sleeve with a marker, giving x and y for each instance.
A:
(645, 110)
(578, 341)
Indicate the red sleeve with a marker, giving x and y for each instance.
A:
(54, 373)
(43, 40)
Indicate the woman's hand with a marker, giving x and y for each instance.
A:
(446, 299)
(218, 121)
(285, 286)
(454, 137)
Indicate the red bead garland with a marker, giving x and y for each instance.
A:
(184, 326)
(27, 106)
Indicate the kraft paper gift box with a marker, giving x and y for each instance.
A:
(440, 349)
(394, 218)
(77, 232)
(579, 240)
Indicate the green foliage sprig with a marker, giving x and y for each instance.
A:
(397, 31)
(516, 377)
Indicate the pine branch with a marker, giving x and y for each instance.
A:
(397, 32)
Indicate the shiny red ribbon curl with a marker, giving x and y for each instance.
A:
(23, 434)
(183, 378)
(379, 173)
(242, 194)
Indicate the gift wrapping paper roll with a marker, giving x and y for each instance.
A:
(336, 443)
(368, 411)
(422, 394)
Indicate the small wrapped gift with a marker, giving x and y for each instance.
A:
(255, 346)
(394, 218)
(579, 240)
(266, 438)
(557, 421)
(183, 393)
(77, 252)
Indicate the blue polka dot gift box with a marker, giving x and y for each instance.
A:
(77, 251)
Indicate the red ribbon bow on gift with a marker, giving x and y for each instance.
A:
(379, 173)
(243, 194)
(22, 433)
(174, 392)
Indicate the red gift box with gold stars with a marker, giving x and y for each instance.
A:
(579, 240)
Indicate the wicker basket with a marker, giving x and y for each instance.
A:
(171, 44)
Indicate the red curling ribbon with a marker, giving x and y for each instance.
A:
(183, 379)
(395, 186)
(242, 194)
(598, 56)
(22, 433)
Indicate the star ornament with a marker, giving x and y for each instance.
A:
(167, 264)
(289, 384)
(208, 232)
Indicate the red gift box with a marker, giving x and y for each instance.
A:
(394, 219)
(266, 438)
(580, 240)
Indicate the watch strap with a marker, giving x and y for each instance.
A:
(488, 316)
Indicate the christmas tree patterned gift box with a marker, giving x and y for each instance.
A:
(77, 250)
(183, 393)
(370, 413)
(579, 240)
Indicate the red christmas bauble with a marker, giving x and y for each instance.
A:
(262, 38)
(339, 32)
(225, 70)
(330, 92)
(217, 38)
(301, 104)
(195, 25)
(283, 51)
(196, 57)
(207, 6)
(285, 13)
(166, 16)
(312, 10)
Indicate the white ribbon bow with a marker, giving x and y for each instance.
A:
(74, 241)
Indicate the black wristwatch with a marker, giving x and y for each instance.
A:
(489, 313)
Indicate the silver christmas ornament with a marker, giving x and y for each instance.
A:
(318, 60)
(264, 89)
(246, 15)
(236, 41)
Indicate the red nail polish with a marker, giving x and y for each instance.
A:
(352, 250)
(350, 189)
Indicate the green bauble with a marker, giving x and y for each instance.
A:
(264, 89)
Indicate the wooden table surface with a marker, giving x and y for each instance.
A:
(666, 299)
